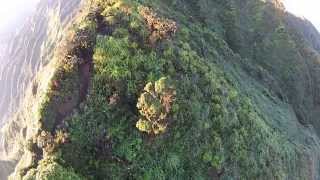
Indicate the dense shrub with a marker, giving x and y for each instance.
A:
(49, 169)
(155, 105)
(49, 143)
(160, 28)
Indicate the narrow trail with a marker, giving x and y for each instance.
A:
(85, 69)
(68, 107)
(85, 73)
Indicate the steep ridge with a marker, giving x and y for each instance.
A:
(185, 89)
(285, 50)
(306, 29)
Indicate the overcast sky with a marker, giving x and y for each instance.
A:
(310, 9)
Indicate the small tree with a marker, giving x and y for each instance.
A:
(155, 106)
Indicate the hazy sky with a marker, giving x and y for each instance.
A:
(9, 9)
(12, 9)
(310, 9)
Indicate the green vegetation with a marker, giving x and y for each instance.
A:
(165, 101)
(48, 169)
(155, 105)
(211, 128)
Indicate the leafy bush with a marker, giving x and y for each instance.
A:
(50, 143)
(48, 169)
(155, 105)
(159, 28)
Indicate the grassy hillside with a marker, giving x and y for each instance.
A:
(197, 89)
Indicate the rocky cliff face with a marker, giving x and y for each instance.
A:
(24, 54)
(148, 89)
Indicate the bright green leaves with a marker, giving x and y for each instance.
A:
(110, 57)
(121, 60)
(155, 105)
(214, 160)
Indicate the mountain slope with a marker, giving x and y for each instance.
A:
(200, 89)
